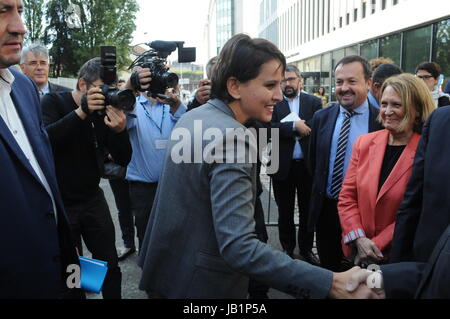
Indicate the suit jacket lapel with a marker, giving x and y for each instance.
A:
(9, 139)
(34, 135)
(377, 152)
(302, 106)
(404, 163)
(327, 130)
(374, 125)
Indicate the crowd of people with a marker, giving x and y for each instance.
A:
(368, 172)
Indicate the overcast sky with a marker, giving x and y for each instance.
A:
(172, 20)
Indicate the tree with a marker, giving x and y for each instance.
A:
(34, 16)
(59, 36)
(102, 22)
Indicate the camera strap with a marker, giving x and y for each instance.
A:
(135, 83)
(84, 105)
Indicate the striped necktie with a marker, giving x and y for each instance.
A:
(338, 171)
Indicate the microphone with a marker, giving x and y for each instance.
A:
(163, 46)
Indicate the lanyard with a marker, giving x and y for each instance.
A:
(151, 118)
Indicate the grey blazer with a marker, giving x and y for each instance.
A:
(200, 241)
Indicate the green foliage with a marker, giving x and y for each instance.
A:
(33, 16)
(102, 22)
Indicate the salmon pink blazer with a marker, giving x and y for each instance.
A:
(363, 211)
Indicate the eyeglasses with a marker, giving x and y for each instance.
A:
(34, 64)
(424, 77)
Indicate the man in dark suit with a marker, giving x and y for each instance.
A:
(334, 130)
(293, 177)
(34, 62)
(408, 280)
(425, 213)
(34, 230)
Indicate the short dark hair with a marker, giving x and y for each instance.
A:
(431, 67)
(356, 58)
(293, 68)
(90, 71)
(385, 71)
(242, 57)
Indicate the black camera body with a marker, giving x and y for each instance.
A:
(162, 79)
(122, 100)
(156, 60)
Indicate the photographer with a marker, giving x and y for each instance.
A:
(203, 93)
(150, 126)
(80, 136)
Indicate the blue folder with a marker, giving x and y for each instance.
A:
(93, 273)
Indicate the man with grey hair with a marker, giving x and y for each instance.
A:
(293, 177)
(34, 63)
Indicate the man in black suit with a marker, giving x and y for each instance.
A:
(334, 130)
(35, 64)
(425, 213)
(420, 255)
(293, 177)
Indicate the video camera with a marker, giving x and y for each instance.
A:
(155, 59)
(122, 100)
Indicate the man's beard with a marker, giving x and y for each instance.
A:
(291, 93)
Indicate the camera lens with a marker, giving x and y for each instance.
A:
(123, 100)
(171, 79)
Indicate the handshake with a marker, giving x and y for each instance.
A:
(358, 283)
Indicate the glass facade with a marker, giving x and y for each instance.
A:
(441, 47)
(369, 50)
(225, 22)
(416, 48)
(407, 49)
(391, 46)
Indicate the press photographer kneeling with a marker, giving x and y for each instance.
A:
(81, 130)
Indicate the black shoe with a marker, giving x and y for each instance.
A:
(310, 258)
(126, 253)
(289, 253)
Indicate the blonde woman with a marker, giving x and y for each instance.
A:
(380, 168)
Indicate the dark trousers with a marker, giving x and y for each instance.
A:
(92, 220)
(329, 237)
(142, 196)
(298, 182)
(121, 191)
(256, 289)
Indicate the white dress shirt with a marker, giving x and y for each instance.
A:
(294, 105)
(12, 120)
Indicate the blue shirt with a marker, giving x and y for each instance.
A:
(373, 100)
(359, 125)
(149, 127)
(294, 105)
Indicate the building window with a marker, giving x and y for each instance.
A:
(391, 47)
(374, 6)
(416, 48)
(383, 4)
(441, 46)
(394, 2)
(353, 50)
(369, 50)
(364, 9)
(355, 15)
(348, 18)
